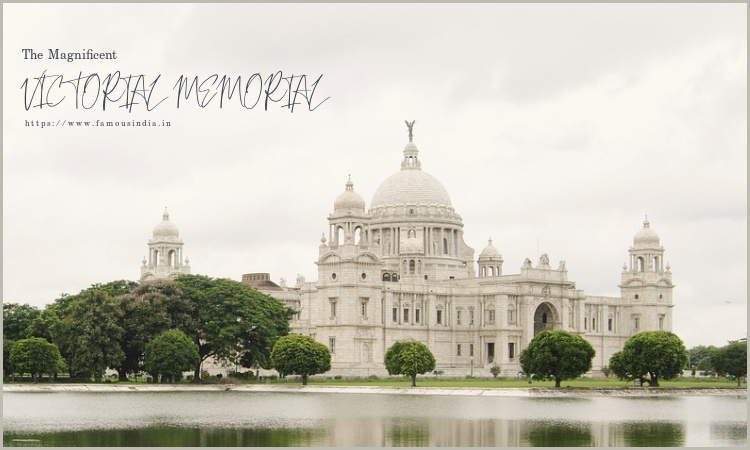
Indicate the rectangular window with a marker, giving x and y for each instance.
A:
(593, 324)
(636, 323)
(406, 315)
(332, 345)
(609, 324)
(395, 315)
(511, 316)
(363, 309)
(490, 316)
(471, 349)
(661, 323)
(333, 308)
(416, 315)
(458, 350)
(439, 317)
(585, 323)
(458, 317)
(471, 317)
(511, 350)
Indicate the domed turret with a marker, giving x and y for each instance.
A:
(412, 245)
(349, 201)
(490, 251)
(646, 237)
(490, 261)
(165, 253)
(166, 229)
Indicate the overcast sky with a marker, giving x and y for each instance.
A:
(554, 128)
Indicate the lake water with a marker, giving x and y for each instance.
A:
(315, 419)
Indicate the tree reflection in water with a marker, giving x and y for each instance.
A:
(654, 434)
(558, 434)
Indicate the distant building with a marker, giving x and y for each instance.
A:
(165, 260)
(402, 270)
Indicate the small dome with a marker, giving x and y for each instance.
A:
(646, 236)
(349, 200)
(165, 228)
(490, 251)
(412, 245)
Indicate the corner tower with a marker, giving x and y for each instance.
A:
(647, 283)
(165, 259)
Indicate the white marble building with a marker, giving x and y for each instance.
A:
(401, 270)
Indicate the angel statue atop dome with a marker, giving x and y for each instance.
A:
(410, 125)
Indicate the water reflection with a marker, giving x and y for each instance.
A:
(732, 434)
(309, 419)
(653, 434)
(558, 434)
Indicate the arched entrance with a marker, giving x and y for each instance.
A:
(545, 318)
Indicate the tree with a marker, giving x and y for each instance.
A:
(658, 354)
(409, 358)
(169, 354)
(699, 359)
(147, 311)
(86, 328)
(7, 366)
(731, 360)
(232, 320)
(557, 355)
(300, 355)
(94, 334)
(17, 319)
(35, 356)
(495, 371)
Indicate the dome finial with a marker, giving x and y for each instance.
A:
(410, 125)
(165, 216)
(350, 184)
(646, 223)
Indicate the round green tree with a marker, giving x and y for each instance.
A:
(656, 354)
(557, 355)
(170, 353)
(731, 360)
(410, 358)
(35, 356)
(300, 355)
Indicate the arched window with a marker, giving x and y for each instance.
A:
(484, 271)
(639, 263)
(156, 257)
(492, 271)
(357, 235)
(386, 277)
(394, 277)
(170, 258)
(656, 263)
(340, 235)
(412, 266)
(445, 246)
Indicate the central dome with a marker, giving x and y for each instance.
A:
(411, 186)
